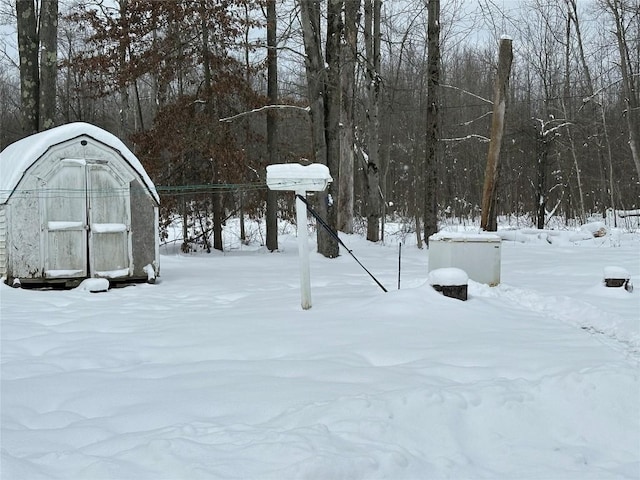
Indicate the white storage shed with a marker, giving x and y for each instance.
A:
(76, 203)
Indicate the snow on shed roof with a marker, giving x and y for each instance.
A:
(20, 155)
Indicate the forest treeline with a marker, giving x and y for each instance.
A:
(396, 97)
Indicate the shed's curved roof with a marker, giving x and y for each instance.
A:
(19, 156)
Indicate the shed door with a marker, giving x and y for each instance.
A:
(87, 222)
(65, 221)
(109, 222)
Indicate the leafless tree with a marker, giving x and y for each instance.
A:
(347, 131)
(37, 47)
(272, 125)
(626, 15)
(323, 84)
(373, 84)
(433, 122)
(505, 57)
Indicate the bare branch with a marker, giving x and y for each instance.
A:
(557, 127)
(264, 108)
(605, 87)
(467, 92)
(464, 124)
(543, 125)
(468, 137)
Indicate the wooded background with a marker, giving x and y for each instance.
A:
(395, 96)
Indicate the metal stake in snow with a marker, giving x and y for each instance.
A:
(300, 179)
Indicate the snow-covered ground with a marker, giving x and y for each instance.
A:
(216, 372)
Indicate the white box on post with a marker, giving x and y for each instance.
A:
(295, 177)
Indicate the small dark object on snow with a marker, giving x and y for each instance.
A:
(619, 282)
(450, 281)
(454, 291)
(615, 282)
(617, 277)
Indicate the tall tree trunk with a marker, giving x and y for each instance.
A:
(347, 138)
(431, 137)
(66, 104)
(206, 61)
(629, 82)
(314, 66)
(372, 42)
(28, 46)
(565, 110)
(572, 7)
(610, 158)
(48, 63)
(488, 219)
(218, 218)
(124, 128)
(542, 154)
(333, 95)
(272, 125)
(318, 96)
(139, 118)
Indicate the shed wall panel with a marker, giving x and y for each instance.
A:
(25, 257)
(3, 240)
(144, 229)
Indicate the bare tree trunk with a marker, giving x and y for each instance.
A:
(314, 64)
(542, 153)
(573, 16)
(217, 221)
(333, 95)
(572, 6)
(48, 63)
(216, 199)
(272, 125)
(565, 110)
(139, 118)
(628, 81)
(124, 129)
(66, 105)
(505, 57)
(316, 78)
(28, 45)
(347, 138)
(416, 191)
(431, 137)
(323, 105)
(372, 42)
(184, 210)
(609, 157)
(247, 72)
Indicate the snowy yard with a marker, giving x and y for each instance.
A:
(216, 371)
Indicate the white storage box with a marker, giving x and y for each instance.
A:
(478, 254)
(298, 178)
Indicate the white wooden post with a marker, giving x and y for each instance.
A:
(300, 179)
(303, 251)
